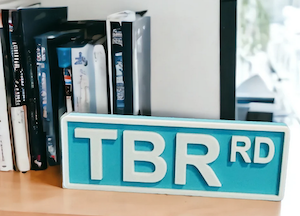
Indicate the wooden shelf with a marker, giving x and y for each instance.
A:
(39, 193)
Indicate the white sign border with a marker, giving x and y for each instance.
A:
(172, 122)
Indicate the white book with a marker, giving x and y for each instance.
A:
(100, 71)
(81, 65)
(6, 161)
(89, 79)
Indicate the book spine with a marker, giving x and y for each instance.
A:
(67, 72)
(6, 160)
(44, 82)
(81, 87)
(65, 64)
(35, 129)
(117, 70)
(109, 66)
(120, 88)
(100, 79)
(36, 133)
(18, 115)
(18, 110)
(8, 74)
(19, 81)
(40, 66)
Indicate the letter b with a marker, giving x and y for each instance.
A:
(130, 156)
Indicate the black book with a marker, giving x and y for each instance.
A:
(28, 23)
(13, 71)
(129, 63)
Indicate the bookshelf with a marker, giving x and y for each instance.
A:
(40, 193)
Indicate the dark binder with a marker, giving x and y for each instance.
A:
(28, 23)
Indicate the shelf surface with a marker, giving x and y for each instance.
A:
(39, 193)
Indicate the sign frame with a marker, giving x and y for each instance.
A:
(173, 122)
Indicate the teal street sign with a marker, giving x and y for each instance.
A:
(191, 157)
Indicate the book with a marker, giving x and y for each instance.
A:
(20, 128)
(100, 74)
(89, 75)
(128, 38)
(65, 65)
(93, 30)
(50, 82)
(6, 160)
(13, 70)
(81, 61)
(89, 79)
(28, 23)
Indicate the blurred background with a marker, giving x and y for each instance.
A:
(268, 60)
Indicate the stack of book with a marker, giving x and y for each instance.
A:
(51, 66)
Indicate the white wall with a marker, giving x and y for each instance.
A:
(185, 51)
(10, 4)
